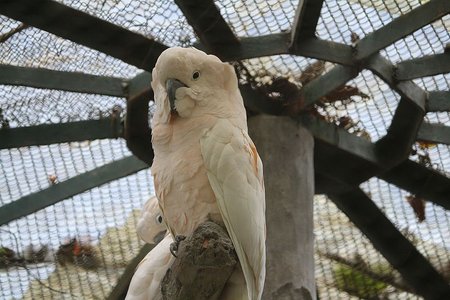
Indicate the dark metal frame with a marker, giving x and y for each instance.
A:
(343, 160)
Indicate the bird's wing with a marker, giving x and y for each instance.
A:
(150, 271)
(236, 176)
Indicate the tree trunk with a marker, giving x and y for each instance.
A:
(286, 150)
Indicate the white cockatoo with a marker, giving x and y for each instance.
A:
(150, 226)
(146, 281)
(206, 167)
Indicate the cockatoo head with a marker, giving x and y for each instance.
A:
(187, 83)
(151, 226)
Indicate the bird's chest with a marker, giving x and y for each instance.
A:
(181, 181)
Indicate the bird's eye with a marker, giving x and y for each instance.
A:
(159, 219)
(196, 75)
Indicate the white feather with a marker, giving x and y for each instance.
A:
(146, 281)
(235, 173)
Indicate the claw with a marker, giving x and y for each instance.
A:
(173, 249)
(174, 246)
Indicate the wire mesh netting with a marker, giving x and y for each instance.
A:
(247, 18)
(79, 247)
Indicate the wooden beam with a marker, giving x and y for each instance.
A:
(257, 101)
(324, 50)
(64, 81)
(341, 139)
(84, 29)
(209, 25)
(406, 89)
(438, 101)
(140, 85)
(397, 249)
(251, 47)
(325, 84)
(305, 21)
(417, 179)
(137, 131)
(396, 145)
(279, 43)
(71, 187)
(434, 133)
(401, 27)
(351, 160)
(340, 154)
(425, 66)
(60, 133)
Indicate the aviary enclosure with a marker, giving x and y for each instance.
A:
(369, 79)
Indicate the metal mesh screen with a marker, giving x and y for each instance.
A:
(257, 18)
(339, 19)
(102, 220)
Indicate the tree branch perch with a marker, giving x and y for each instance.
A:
(205, 261)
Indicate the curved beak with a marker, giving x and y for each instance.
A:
(159, 237)
(171, 87)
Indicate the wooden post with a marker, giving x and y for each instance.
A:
(286, 150)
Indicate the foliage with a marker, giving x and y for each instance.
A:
(358, 284)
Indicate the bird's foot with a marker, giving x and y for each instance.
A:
(174, 246)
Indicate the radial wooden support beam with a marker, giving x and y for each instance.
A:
(424, 66)
(137, 131)
(84, 29)
(341, 154)
(71, 187)
(60, 133)
(351, 160)
(63, 81)
(406, 89)
(209, 25)
(251, 47)
(419, 180)
(438, 101)
(279, 43)
(401, 27)
(324, 50)
(434, 133)
(341, 139)
(140, 85)
(398, 250)
(325, 84)
(258, 102)
(305, 21)
(395, 146)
